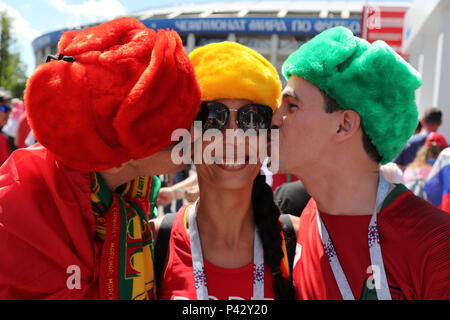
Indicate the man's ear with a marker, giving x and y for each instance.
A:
(349, 123)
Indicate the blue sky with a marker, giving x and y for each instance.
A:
(36, 17)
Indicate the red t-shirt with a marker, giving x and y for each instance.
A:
(223, 284)
(415, 245)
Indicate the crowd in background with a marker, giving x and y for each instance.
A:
(16, 132)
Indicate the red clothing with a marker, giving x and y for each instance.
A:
(223, 284)
(5, 151)
(280, 179)
(46, 226)
(414, 237)
(22, 131)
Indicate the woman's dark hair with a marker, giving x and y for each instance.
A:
(267, 216)
(331, 106)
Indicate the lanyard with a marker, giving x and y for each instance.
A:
(201, 285)
(376, 259)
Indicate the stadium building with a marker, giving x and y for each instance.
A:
(426, 40)
(273, 28)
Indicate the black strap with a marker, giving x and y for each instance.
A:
(162, 246)
(290, 238)
(60, 57)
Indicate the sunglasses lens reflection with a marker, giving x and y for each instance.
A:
(215, 115)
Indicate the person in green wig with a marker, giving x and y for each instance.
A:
(348, 107)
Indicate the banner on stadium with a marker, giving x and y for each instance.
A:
(257, 25)
(384, 23)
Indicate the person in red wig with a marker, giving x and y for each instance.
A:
(74, 208)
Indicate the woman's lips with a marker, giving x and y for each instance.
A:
(232, 167)
(232, 164)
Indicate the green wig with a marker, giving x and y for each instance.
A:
(371, 79)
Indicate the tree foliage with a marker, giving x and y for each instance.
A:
(12, 69)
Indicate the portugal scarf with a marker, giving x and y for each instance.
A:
(126, 268)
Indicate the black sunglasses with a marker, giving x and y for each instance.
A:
(5, 109)
(215, 115)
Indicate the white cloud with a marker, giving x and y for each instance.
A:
(59, 4)
(21, 28)
(91, 9)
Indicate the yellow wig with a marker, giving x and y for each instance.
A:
(229, 70)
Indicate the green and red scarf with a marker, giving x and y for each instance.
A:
(126, 268)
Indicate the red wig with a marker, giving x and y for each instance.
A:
(122, 95)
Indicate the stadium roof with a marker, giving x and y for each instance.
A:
(168, 16)
(249, 8)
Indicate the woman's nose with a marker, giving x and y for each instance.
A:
(232, 122)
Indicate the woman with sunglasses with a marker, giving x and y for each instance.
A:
(229, 244)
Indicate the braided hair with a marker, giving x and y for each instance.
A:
(266, 215)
